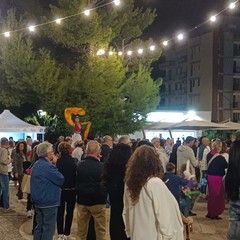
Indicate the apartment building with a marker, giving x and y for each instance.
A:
(203, 73)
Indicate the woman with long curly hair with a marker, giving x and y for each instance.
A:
(113, 180)
(150, 210)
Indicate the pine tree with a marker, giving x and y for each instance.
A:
(117, 92)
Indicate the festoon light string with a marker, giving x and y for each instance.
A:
(232, 5)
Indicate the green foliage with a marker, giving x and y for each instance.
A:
(213, 134)
(26, 75)
(116, 92)
(55, 125)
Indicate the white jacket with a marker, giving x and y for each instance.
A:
(156, 216)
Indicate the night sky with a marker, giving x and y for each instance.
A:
(179, 15)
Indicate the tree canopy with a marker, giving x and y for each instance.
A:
(57, 67)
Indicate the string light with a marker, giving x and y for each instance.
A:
(213, 18)
(152, 48)
(31, 28)
(180, 36)
(58, 21)
(87, 12)
(7, 34)
(101, 52)
(117, 2)
(232, 5)
(165, 43)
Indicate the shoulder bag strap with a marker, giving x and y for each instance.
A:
(212, 160)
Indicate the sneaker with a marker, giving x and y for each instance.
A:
(29, 214)
(61, 237)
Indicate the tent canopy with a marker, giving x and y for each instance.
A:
(186, 125)
(231, 125)
(10, 123)
(197, 125)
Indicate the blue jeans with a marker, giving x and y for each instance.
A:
(4, 190)
(46, 221)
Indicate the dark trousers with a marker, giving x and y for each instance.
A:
(68, 200)
(117, 228)
(20, 193)
(29, 202)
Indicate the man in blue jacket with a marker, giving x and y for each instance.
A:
(46, 182)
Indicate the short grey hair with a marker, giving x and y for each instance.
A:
(125, 139)
(44, 148)
(93, 147)
(155, 139)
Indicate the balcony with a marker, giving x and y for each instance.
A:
(236, 53)
(236, 87)
(236, 105)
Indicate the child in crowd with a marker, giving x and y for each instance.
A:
(180, 187)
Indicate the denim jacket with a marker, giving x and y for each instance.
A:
(45, 185)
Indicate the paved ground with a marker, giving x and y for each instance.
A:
(16, 226)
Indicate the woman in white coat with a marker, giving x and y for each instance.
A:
(150, 210)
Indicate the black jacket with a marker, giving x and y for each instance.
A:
(89, 189)
(67, 166)
(105, 152)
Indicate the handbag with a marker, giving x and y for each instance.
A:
(26, 183)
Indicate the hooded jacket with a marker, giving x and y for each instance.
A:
(185, 153)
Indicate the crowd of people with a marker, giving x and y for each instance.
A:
(145, 183)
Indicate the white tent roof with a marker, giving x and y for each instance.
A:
(10, 123)
(187, 125)
(232, 125)
(197, 125)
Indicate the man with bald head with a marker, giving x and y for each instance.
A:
(106, 148)
(91, 197)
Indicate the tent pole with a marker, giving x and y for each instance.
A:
(144, 134)
(170, 133)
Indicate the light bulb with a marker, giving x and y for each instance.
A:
(58, 21)
(129, 53)
(152, 48)
(117, 2)
(140, 51)
(180, 36)
(7, 34)
(165, 43)
(100, 52)
(213, 18)
(31, 28)
(87, 12)
(110, 53)
(120, 53)
(232, 5)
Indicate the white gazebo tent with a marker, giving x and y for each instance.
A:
(10, 124)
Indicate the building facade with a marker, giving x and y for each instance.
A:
(203, 74)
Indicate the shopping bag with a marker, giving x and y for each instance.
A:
(26, 183)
